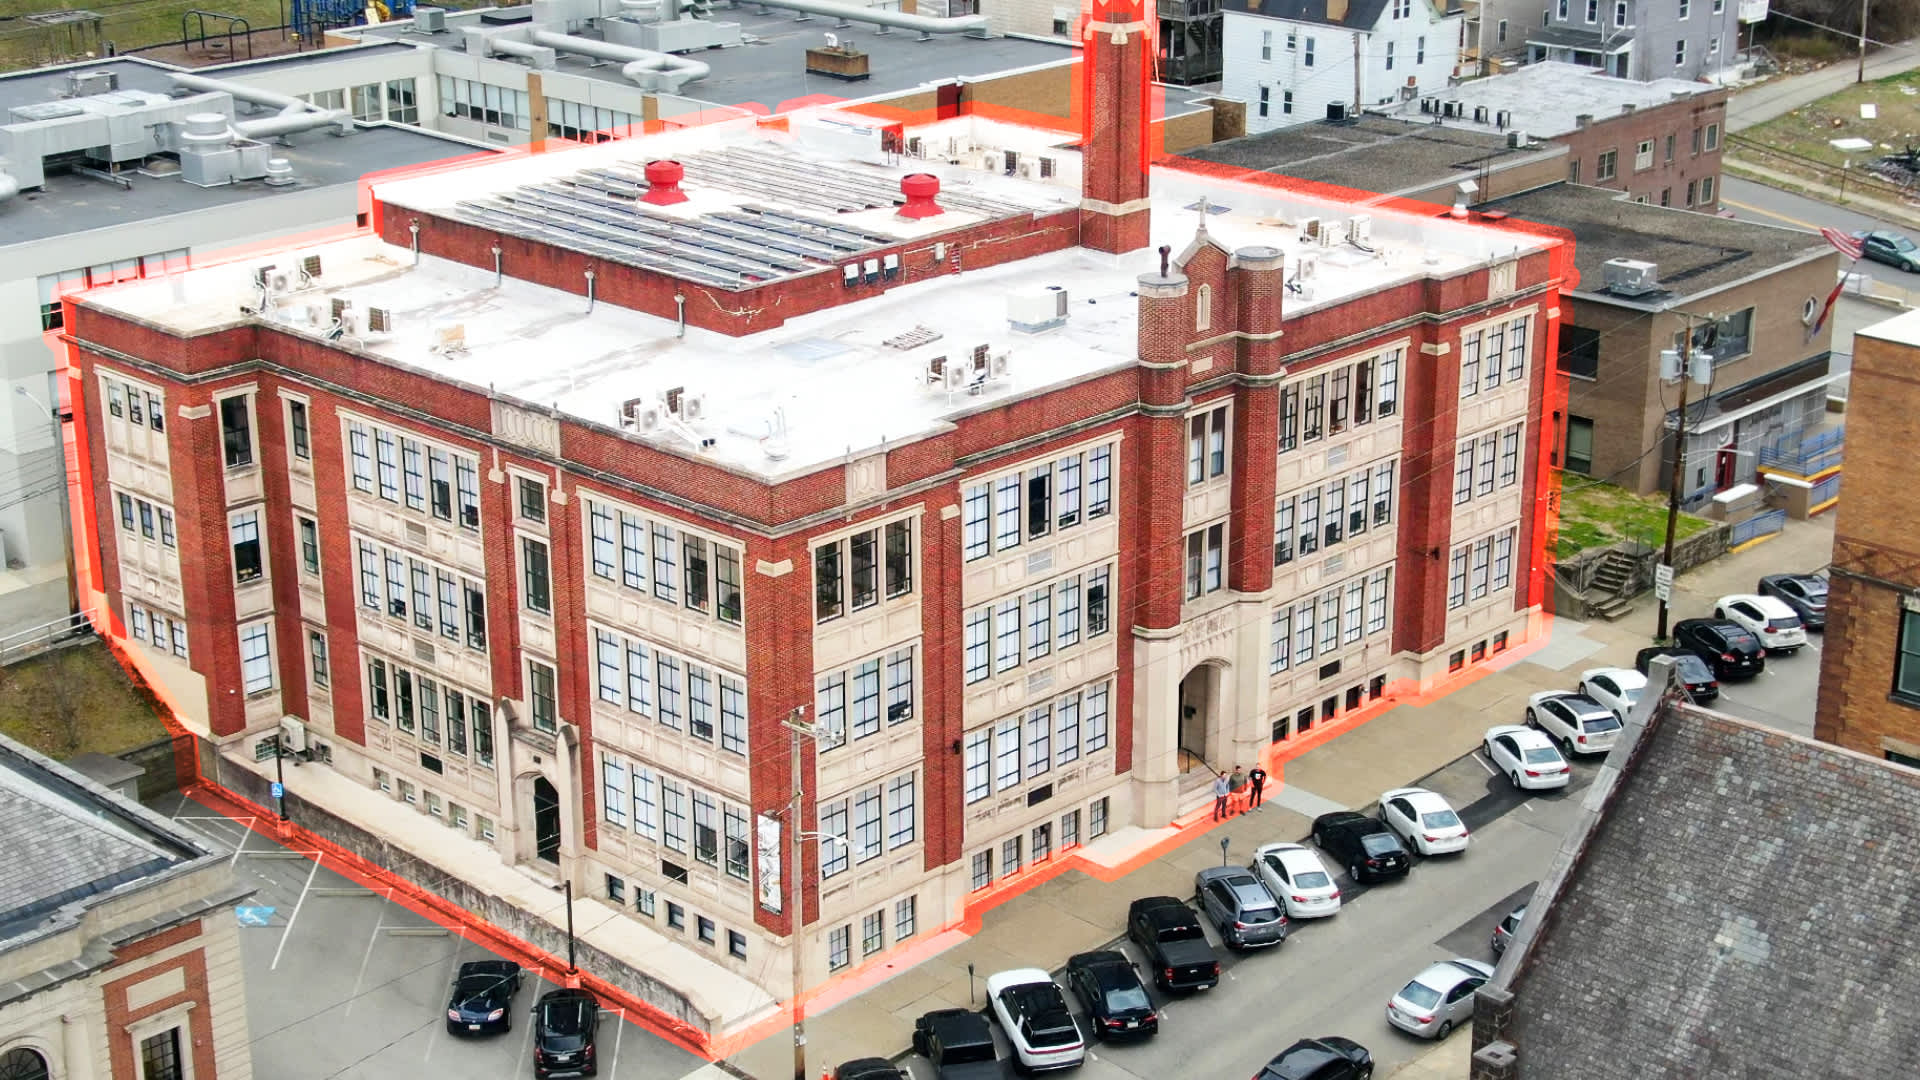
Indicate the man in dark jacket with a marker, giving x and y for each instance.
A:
(1256, 780)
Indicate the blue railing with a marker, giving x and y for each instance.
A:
(1825, 491)
(1765, 523)
(1806, 455)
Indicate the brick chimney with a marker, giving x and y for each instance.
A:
(1117, 76)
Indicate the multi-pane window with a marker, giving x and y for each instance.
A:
(1000, 755)
(541, 701)
(1332, 402)
(839, 944)
(1283, 509)
(1457, 579)
(850, 573)
(998, 514)
(532, 498)
(301, 436)
(1484, 461)
(243, 530)
(149, 516)
(1032, 624)
(1377, 600)
(1470, 343)
(317, 658)
(536, 575)
(1282, 637)
(1207, 445)
(1510, 455)
(901, 819)
(905, 918)
(1494, 354)
(1351, 624)
(256, 657)
(1480, 567)
(309, 545)
(418, 475)
(695, 572)
(1206, 556)
(390, 580)
(1503, 560)
(655, 682)
(1463, 471)
(1519, 340)
(236, 430)
(661, 808)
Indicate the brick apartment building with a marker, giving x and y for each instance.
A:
(1870, 663)
(119, 952)
(641, 456)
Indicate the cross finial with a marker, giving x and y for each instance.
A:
(1204, 210)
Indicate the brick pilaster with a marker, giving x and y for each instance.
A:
(1118, 92)
(1155, 480)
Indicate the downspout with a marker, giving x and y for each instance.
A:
(925, 25)
(589, 292)
(497, 268)
(680, 314)
(414, 228)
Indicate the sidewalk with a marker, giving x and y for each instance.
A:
(1762, 103)
(1075, 911)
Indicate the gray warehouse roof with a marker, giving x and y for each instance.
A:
(1371, 153)
(1694, 251)
(1745, 904)
(1549, 97)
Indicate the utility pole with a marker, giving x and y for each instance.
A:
(1356, 76)
(1862, 75)
(1679, 463)
(795, 898)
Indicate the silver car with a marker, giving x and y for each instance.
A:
(1241, 908)
(1438, 999)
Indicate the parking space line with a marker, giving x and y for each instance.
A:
(365, 958)
(237, 848)
(438, 1030)
(297, 905)
(614, 1068)
(526, 1029)
(1483, 764)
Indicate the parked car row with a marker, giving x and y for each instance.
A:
(564, 1020)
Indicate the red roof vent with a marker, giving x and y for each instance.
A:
(920, 188)
(663, 183)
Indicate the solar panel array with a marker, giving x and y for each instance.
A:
(786, 228)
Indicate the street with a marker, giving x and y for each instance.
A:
(1769, 205)
(343, 983)
(1333, 976)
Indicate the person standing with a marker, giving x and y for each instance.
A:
(1258, 779)
(1221, 789)
(1236, 784)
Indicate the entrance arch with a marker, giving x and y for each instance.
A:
(1199, 720)
(546, 820)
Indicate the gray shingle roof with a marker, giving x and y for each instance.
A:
(1362, 14)
(1748, 906)
(64, 842)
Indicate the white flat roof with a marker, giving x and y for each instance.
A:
(1902, 329)
(830, 376)
(1548, 98)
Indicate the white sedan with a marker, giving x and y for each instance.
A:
(1294, 874)
(1527, 758)
(1424, 820)
(1617, 688)
(1580, 724)
(1767, 617)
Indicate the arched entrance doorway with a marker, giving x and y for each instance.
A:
(1199, 720)
(22, 1063)
(546, 820)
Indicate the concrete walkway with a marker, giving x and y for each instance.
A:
(1075, 911)
(1759, 104)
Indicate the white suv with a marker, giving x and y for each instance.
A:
(1033, 1012)
(1768, 618)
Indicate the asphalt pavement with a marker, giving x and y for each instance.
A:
(1334, 976)
(1772, 206)
(346, 984)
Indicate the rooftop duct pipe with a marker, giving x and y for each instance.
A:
(925, 25)
(650, 70)
(9, 187)
(308, 115)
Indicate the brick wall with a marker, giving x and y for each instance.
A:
(1876, 560)
(1623, 132)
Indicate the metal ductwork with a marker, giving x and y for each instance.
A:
(924, 25)
(650, 70)
(9, 187)
(295, 115)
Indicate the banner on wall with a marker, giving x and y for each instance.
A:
(767, 834)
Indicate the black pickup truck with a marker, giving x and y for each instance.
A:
(1168, 931)
(959, 1043)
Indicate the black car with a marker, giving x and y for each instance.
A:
(1509, 926)
(1729, 649)
(959, 1043)
(1366, 846)
(869, 1069)
(1329, 1057)
(1694, 672)
(1117, 1004)
(1804, 593)
(482, 997)
(1886, 246)
(563, 1027)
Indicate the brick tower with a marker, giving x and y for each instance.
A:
(1118, 79)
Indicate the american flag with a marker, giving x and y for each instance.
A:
(1843, 243)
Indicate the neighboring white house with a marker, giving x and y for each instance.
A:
(1291, 59)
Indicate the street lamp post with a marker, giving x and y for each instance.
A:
(280, 776)
(795, 897)
(1861, 75)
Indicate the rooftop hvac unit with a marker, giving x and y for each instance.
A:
(1451, 108)
(429, 20)
(693, 407)
(916, 148)
(293, 735)
(263, 275)
(1517, 139)
(279, 281)
(1031, 311)
(340, 307)
(379, 320)
(1479, 114)
(999, 368)
(638, 414)
(1310, 228)
(1304, 268)
(450, 339)
(1427, 104)
(1631, 277)
(1329, 235)
(309, 269)
(1360, 230)
(1503, 118)
(937, 371)
(955, 377)
(1047, 167)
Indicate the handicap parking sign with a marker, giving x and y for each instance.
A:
(279, 790)
(254, 916)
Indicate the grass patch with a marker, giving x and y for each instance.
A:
(1595, 515)
(1806, 131)
(76, 700)
(129, 27)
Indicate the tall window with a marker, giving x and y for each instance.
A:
(540, 697)
(535, 575)
(1457, 579)
(159, 1056)
(1207, 445)
(1906, 662)
(1041, 499)
(1470, 363)
(309, 545)
(244, 531)
(236, 431)
(533, 498)
(317, 651)
(1206, 552)
(256, 657)
(297, 426)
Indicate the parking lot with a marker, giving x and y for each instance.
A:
(1333, 976)
(344, 984)
(1783, 696)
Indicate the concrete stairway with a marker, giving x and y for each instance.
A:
(1609, 597)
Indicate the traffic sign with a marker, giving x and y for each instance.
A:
(1663, 582)
(279, 790)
